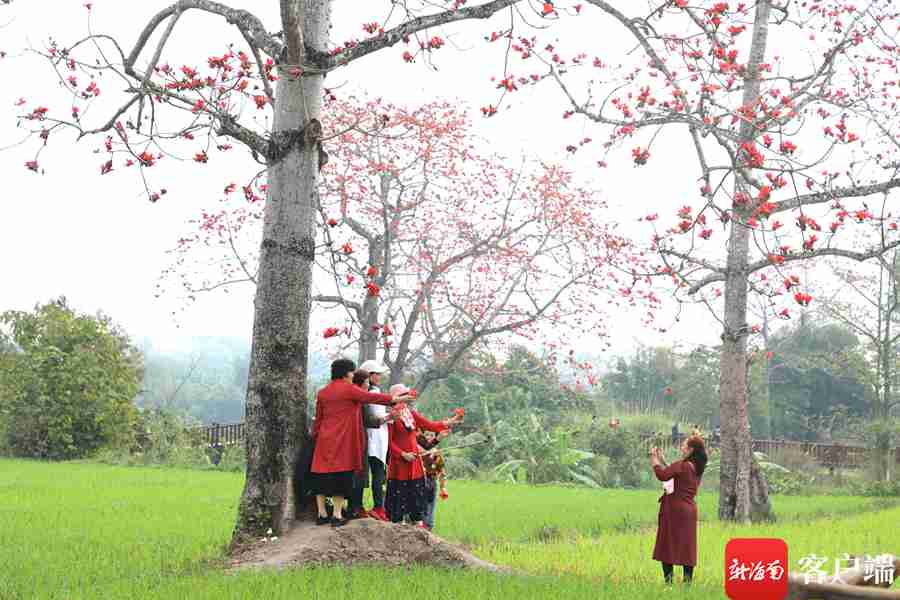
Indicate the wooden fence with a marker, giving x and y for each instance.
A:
(828, 455)
(225, 434)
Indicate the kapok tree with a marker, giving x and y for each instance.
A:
(867, 302)
(428, 249)
(787, 115)
(210, 109)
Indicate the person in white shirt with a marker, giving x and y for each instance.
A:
(378, 439)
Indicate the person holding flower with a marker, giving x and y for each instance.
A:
(676, 535)
(407, 488)
(339, 435)
(433, 463)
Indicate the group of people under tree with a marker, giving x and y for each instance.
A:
(358, 431)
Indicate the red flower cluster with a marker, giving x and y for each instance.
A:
(802, 299)
(373, 289)
(331, 332)
(640, 155)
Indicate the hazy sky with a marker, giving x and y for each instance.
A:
(98, 241)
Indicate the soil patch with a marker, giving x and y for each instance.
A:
(365, 541)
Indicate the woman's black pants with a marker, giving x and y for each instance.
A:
(668, 571)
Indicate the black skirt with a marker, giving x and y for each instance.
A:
(332, 484)
(406, 498)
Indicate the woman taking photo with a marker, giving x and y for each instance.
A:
(676, 537)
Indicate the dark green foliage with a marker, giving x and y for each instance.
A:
(627, 463)
(68, 387)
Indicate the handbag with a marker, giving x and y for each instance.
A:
(669, 486)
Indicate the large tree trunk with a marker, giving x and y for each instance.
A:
(736, 463)
(276, 420)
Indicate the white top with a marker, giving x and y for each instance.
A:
(378, 438)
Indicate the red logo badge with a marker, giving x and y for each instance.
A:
(756, 569)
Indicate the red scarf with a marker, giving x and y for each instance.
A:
(403, 412)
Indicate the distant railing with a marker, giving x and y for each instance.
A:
(828, 455)
(224, 434)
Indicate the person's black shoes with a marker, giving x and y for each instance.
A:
(339, 522)
(323, 520)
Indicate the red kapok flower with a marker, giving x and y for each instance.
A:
(373, 289)
(332, 222)
(331, 332)
(371, 271)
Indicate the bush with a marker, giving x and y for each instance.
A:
(67, 383)
(625, 464)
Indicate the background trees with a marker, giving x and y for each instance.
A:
(68, 385)
(710, 76)
(429, 247)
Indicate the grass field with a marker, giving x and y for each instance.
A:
(81, 530)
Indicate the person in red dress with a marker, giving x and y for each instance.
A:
(406, 488)
(676, 536)
(339, 436)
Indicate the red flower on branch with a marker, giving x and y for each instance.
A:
(640, 155)
(372, 289)
(371, 272)
(347, 248)
(802, 299)
(331, 332)
(32, 165)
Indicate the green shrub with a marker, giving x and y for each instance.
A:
(880, 489)
(68, 386)
(626, 464)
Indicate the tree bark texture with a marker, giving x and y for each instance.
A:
(276, 420)
(737, 464)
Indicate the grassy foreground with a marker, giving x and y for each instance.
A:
(80, 530)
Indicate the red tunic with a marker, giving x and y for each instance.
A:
(338, 428)
(676, 537)
(404, 440)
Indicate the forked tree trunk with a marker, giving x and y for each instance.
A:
(276, 421)
(737, 465)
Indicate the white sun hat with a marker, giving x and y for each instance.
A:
(373, 366)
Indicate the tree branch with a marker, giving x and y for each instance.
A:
(355, 306)
(389, 38)
(857, 191)
(762, 264)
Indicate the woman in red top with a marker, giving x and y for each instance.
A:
(339, 436)
(676, 536)
(406, 490)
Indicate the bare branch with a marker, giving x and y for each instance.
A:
(393, 36)
(835, 194)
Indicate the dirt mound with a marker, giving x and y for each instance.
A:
(360, 541)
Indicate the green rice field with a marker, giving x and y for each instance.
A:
(83, 530)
